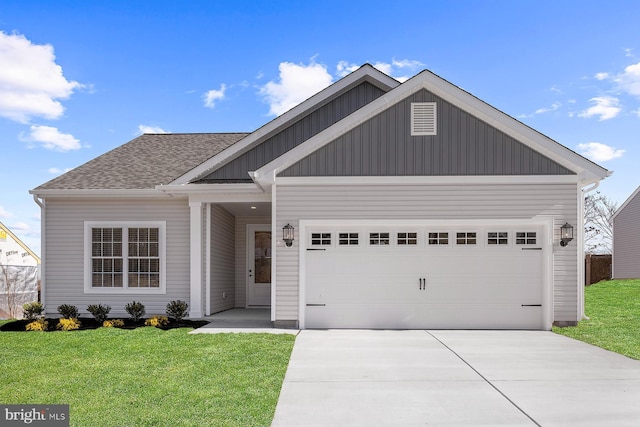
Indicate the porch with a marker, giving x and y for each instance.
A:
(242, 320)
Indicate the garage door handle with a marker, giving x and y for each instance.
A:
(316, 305)
(531, 249)
(422, 284)
(316, 249)
(532, 305)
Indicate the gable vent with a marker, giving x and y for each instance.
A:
(423, 118)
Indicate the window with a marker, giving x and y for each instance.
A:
(320, 239)
(378, 238)
(123, 257)
(466, 238)
(423, 118)
(438, 238)
(525, 238)
(498, 238)
(347, 239)
(407, 238)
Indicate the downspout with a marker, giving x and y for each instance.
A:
(43, 254)
(581, 278)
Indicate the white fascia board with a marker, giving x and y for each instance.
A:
(429, 180)
(218, 193)
(590, 171)
(250, 140)
(626, 202)
(95, 193)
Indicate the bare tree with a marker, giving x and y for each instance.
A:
(598, 223)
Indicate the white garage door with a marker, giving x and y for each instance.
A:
(424, 278)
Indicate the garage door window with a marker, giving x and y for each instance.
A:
(320, 239)
(525, 238)
(438, 238)
(377, 239)
(407, 239)
(348, 239)
(498, 238)
(466, 238)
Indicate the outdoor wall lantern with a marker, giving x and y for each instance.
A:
(566, 234)
(287, 234)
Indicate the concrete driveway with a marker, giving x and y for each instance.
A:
(406, 378)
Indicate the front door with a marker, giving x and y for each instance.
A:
(259, 265)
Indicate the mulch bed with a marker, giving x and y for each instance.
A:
(91, 323)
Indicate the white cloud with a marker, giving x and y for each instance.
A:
(553, 107)
(4, 213)
(628, 52)
(31, 83)
(297, 82)
(20, 227)
(58, 171)
(606, 107)
(344, 67)
(51, 138)
(213, 95)
(150, 129)
(629, 80)
(599, 152)
(602, 76)
(397, 68)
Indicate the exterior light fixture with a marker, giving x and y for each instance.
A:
(287, 234)
(566, 234)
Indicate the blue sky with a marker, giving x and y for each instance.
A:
(78, 78)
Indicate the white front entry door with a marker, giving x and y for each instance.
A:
(259, 265)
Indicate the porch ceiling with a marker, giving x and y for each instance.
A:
(248, 209)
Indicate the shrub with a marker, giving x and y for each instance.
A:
(113, 323)
(99, 312)
(37, 325)
(157, 321)
(135, 309)
(70, 324)
(68, 311)
(177, 309)
(32, 310)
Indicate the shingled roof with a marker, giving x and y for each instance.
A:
(143, 163)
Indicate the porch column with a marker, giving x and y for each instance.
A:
(195, 305)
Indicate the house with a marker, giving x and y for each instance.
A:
(372, 204)
(19, 274)
(626, 235)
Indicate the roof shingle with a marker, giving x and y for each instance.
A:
(143, 163)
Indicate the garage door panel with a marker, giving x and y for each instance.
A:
(475, 287)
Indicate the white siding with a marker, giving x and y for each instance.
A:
(626, 240)
(64, 250)
(241, 256)
(432, 202)
(222, 259)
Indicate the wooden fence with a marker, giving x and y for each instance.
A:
(596, 268)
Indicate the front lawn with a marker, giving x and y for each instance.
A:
(613, 308)
(147, 376)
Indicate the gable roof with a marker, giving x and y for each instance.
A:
(143, 163)
(5, 229)
(587, 171)
(626, 203)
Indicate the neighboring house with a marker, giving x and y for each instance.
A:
(626, 239)
(413, 205)
(19, 268)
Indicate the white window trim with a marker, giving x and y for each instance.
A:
(162, 251)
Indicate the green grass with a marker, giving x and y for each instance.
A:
(613, 308)
(147, 376)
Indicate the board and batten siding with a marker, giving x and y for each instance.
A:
(64, 251)
(428, 202)
(626, 241)
(242, 269)
(222, 259)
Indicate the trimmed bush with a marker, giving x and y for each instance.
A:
(99, 312)
(177, 309)
(39, 325)
(113, 323)
(32, 310)
(157, 321)
(70, 324)
(68, 311)
(136, 310)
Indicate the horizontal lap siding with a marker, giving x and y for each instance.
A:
(222, 259)
(429, 202)
(64, 251)
(626, 241)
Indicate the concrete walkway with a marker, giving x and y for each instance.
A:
(242, 320)
(455, 378)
